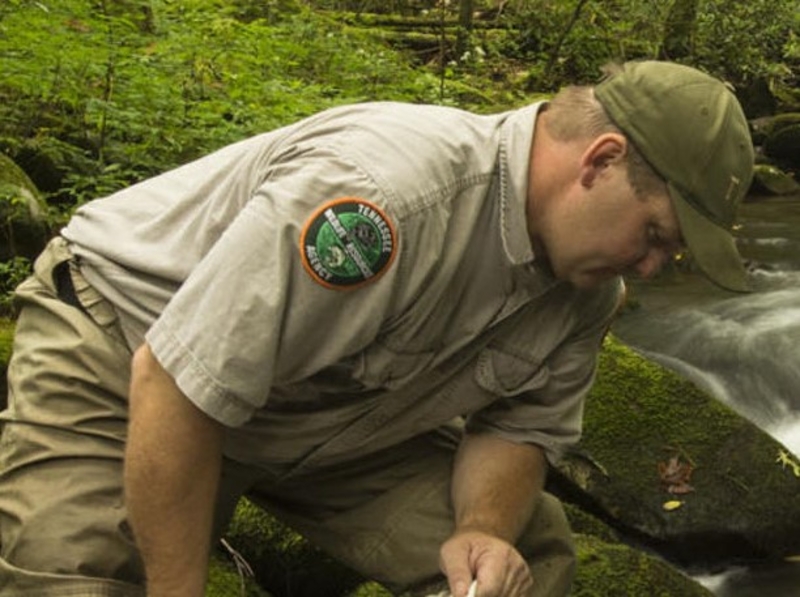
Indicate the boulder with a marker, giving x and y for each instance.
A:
(673, 469)
(617, 569)
(771, 180)
(782, 143)
(285, 563)
(23, 222)
(608, 566)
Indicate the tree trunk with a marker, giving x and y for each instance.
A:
(679, 30)
(551, 62)
(466, 10)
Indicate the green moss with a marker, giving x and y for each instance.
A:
(584, 523)
(605, 569)
(284, 562)
(639, 415)
(224, 580)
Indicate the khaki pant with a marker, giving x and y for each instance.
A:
(63, 529)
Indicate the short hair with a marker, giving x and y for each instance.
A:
(576, 114)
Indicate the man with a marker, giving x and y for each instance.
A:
(310, 314)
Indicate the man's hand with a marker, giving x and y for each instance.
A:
(495, 487)
(499, 568)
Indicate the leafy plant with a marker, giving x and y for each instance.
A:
(90, 79)
(12, 273)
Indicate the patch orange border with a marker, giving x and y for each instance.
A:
(313, 218)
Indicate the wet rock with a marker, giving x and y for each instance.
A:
(738, 500)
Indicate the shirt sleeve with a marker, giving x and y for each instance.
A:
(257, 311)
(545, 405)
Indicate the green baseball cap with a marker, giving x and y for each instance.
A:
(691, 129)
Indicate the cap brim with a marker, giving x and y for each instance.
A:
(712, 247)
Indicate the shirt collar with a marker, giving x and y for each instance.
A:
(516, 137)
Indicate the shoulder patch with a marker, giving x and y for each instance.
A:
(347, 242)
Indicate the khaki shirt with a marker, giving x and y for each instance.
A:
(352, 280)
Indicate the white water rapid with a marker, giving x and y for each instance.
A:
(742, 349)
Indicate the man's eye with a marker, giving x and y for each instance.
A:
(653, 235)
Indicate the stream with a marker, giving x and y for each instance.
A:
(742, 349)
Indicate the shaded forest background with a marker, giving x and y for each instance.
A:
(97, 94)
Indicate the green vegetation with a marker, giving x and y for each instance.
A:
(98, 94)
(95, 94)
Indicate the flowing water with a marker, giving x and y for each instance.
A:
(743, 349)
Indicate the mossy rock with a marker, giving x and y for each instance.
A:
(583, 523)
(283, 562)
(606, 569)
(770, 180)
(225, 580)
(276, 554)
(607, 566)
(639, 415)
(23, 213)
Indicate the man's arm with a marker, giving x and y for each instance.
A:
(172, 467)
(495, 486)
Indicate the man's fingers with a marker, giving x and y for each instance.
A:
(460, 585)
(455, 566)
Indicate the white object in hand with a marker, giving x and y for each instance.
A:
(473, 589)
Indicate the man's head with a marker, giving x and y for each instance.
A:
(691, 129)
(657, 155)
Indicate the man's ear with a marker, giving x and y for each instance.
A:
(603, 151)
